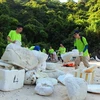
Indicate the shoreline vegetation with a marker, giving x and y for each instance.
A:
(49, 22)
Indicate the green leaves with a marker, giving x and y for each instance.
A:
(49, 22)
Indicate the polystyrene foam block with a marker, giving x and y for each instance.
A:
(11, 79)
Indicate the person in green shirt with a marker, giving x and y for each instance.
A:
(44, 50)
(61, 50)
(14, 35)
(81, 44)
(32, 47)
(50, 52)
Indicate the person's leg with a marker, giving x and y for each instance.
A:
(85, 60)
(48, 59)
(77, 62)
(55, 56)
(61, 59)
(51, 57)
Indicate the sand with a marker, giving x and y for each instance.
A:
(27, 93)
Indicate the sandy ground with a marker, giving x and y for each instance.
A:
(28, 93)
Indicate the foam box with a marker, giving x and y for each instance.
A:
(88, 77)
(11, 79)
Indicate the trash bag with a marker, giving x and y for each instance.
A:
(40, 56)
(30, 77)
(54, 73)
(47, 80)
(61, 79)
(19, 56)
(67, 56)
(76, 87)
(41, 66)
(75, 52)
(44, 89)
(4, 65)
(50, 66)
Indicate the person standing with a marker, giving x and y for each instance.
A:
(62, 50)
(81, 44)
(14, 35)
(51, 51)
(44, 50)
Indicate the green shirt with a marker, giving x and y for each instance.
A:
(32, 48)
(51, 51)
(44, 50)
(14, 36)
(62, 50)
(81, 45)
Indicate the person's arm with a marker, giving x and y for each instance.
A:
(85, 43)
(75, 47)
(64, 50)
(85, 48)
(9, 39)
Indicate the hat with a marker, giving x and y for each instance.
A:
(37, 48)
(76, 31)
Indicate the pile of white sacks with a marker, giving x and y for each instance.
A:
(44, 74)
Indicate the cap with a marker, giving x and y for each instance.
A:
(76, 31)
(37, 48)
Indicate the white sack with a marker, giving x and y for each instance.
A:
(5, 65)
(30, 77)
(76, 88)
(22, 57)
(75, 53)
(40, 74)
(40, 56)
(61, 79)
(41, 66)
(67, 56)
(54, 73)
(17, 44)
(47, 80)
(50, 66)
(44, 89)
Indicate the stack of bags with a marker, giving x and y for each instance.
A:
(19, 64)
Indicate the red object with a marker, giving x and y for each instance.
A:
(69, 65)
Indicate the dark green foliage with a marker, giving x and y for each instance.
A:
(49, 22)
